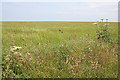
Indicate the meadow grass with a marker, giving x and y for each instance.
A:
(58, 50)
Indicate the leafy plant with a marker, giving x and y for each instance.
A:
(102, 32)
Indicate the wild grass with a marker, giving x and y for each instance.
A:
(58, 50)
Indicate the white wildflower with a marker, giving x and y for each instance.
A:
(107, 19)
(105, 24)
(95, 23)
(15, 48)
(102, 19)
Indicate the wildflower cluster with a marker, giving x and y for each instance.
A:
(12, 61)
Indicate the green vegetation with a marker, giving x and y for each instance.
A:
(58, 50)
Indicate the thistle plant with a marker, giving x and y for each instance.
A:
(102, 32)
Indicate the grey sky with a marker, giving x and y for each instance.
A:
(59, 11)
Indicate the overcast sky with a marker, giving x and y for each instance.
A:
(59, 11)
(59, 0)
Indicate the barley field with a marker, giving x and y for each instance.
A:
(58, 50)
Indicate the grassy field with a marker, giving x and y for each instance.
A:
(58, 50)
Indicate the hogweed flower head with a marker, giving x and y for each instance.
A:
(15, 48)
(107, 20)
(102, 19)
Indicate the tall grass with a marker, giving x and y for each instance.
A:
(58, 50)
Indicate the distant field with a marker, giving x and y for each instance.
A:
(58, 50)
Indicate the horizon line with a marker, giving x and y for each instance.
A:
(55, 21)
